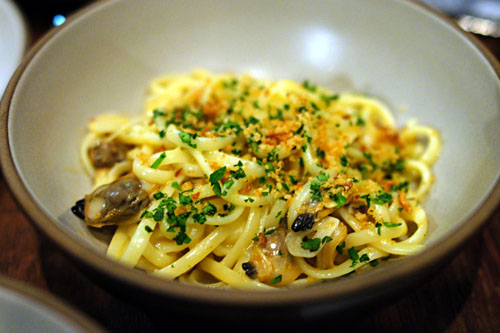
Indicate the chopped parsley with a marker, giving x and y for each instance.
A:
(158, 113)
(308, 86)
(278, 115)
(364, 258)
(182, 238)
(367, 199)
(239, 173)
(251, 120)
(215, 179)
(236, 152)
(316, 191)
(369, 157)
(320, 153)
(158, 195)
(403, 186)
(176, 186)
(311, 244)
(391, 167)
(315, 243)
(353, 255)
(158, 161)
(323, 177)
(293, 180)
(187, 137)
(276, 279)
(343, 161)
(360, 122)
(329, 98)
(391, 225)
(185, 200)
(340, 248)
(382, 198)
(339, 199)
(229, 125)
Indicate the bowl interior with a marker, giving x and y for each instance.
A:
(104, 58)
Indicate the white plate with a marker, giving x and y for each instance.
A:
(26, 309)
(13, 40)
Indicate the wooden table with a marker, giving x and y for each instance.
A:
(463, 297)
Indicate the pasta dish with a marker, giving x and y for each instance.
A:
(232, 180)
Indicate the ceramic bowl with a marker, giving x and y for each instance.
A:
(105, 55)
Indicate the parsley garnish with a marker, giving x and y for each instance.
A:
(367, 199)
(147, 214)
(217, 175)
(315, 243)
(340, 248)
(158, 214)
(158, 195)
(182, 238)
(251, 120)
(328, 99)
(187, 137)
(231, 125)
(323, 177)
(343, 161)
(320, 153)
(360, 122)
(158, 161)
(402, 186)
(311, 244)
(299, 129)
(158, 113)
(270, 231)
(215, 178)
(369, 157)
(391, 225)
(316, 191)
(185, 200)
(276, 279)
(382, 198)
(239, 173)
(339, 199)
(176, 186)
(279, 115)
(353, 255)
(236, 152)
(308, 86)
(364, 258)
(209, 209)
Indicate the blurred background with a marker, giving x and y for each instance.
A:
(479, 17)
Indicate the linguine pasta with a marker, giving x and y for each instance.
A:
(243, 182)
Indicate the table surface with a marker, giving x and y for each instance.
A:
(464, 296)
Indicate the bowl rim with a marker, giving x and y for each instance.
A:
(399, 274)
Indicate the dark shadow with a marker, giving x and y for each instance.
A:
(86, 294)
(430, 307)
